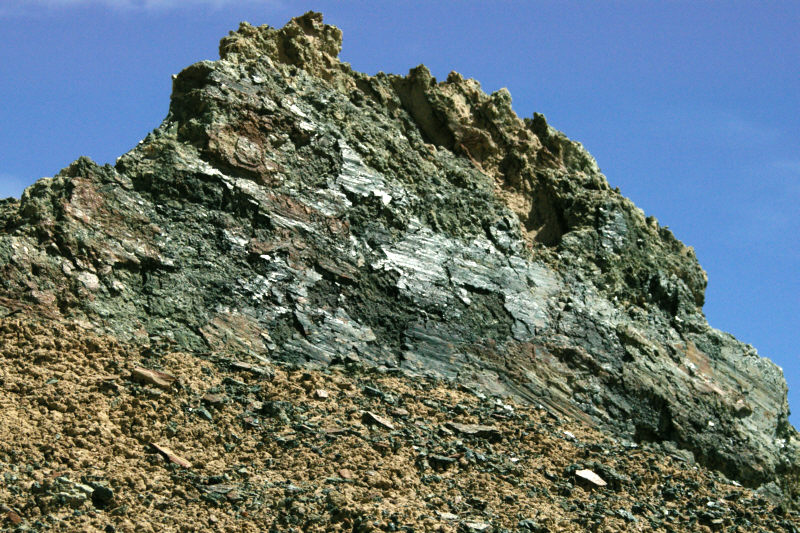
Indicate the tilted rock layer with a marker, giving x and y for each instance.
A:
(291, 208)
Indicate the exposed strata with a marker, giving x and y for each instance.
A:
(291, 208)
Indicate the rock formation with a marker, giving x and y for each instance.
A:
(291, 209)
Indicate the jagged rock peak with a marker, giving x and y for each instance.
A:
(550, 182)
(304, 42)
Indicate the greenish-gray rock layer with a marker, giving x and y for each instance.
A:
(295, 209)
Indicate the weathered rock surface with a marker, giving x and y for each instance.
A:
(289, 208)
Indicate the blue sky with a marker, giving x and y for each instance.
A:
(691, 108)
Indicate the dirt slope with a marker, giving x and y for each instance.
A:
(250, 446)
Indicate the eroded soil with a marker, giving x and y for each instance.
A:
(92, 440)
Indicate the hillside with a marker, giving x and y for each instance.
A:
(416, 251)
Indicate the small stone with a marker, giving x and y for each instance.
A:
(477, 503)
(291, 488)
(321, 394)
(89, 280)
(346, 473)
(101, 495)
(214, 399)
(373, 392)
(371, 419)
(476, 527)
(14, 518)
(253, 369)
(382, 447)
(399, 412)
(476, 430)
(441, 461)
(234, 382)
(86, 489)
(591, 477)
(171, 456)
(530, 525)
(626, 515)
(72, 498)
(202, 411)
(153, 377)
(252, 421)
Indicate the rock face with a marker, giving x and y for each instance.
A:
(294, 209)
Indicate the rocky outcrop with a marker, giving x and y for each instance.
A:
(291, 208)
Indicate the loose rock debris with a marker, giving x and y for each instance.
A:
(78, 454)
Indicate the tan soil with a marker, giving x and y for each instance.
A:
(70, 408)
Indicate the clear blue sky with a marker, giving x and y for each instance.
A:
(691, 108)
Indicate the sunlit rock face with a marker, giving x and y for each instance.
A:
(295, 209)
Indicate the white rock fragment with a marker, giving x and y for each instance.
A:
(89, 280)
(464, 296)
(384, 197)
(296, 110)
(591, 477)
(477, 526)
